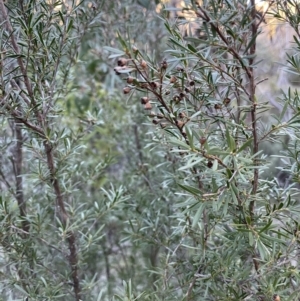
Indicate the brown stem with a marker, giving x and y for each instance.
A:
(73, 260)
(18, 161)
(252, 87)
(202, 14)
(253, 101)
(191, 286)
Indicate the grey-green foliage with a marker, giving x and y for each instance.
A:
(53, 203)
(68, 136)
(236, 234)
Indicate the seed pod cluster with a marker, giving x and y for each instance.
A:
(168, 90)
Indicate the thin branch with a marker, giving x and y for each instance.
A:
(253, 101)
(259, 82)
(202, 14)
(18, 162)
(64, 218)
(254, 105)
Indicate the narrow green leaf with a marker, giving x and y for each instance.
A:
(178, 142)
(190, 137)
(198, 214)
(192, 48)
(190, 189)
(248, 143)
(215, 165)
(251, 240)
(286, 104)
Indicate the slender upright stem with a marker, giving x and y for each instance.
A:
(253, 101)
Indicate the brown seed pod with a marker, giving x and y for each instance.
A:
(164, 65)
(180, 123)
(209, 164)
(173, 79)
(179, 69)
(154, 85)
(148, 106)
(144, 85)
(181, 95)
(155, 121)
(122, 62)
(202, 140)
(176, 98)
(227, 101)
(187, 90)
(276, 297)
(167, 92)
(182, 115)
(126, 90)
(130, 80)
(144, 100)
(152, 114)
(143, 64)
(192, 83)
(163, 125)
(160, 116)
(218, 106)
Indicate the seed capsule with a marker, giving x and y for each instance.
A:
(164, 64)
(130, 80)
(209, 164)
(202, 140)
(152, 114)
(122, 62)
(179, 68)
(182, 115)
(227, 101)
(180, 123)
(173, 79)
(218, 106)
(148, 106)
(143, 64)
(154, 85)
(126, 90)
(144, 100)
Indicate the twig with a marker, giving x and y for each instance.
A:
(259, 82)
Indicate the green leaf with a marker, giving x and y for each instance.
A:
(190, 189)
(230, 141)
(198, 215)
(190, 137)
(178, 142)
(215, 165)
(248, 143)
(192, 48)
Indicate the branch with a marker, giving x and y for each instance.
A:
(205, 17)
(18, 162)
(73, 260)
